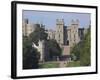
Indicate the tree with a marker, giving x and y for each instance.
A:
(75, 51)
(38, 34)
(86, 50)
(82, 50)
(30, 55)
(53, 48)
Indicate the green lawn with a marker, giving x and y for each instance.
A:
(56, 64)
(73, 64)
(49, 65)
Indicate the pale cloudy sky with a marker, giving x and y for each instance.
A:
(49, 18)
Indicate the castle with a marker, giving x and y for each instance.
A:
(66, 36)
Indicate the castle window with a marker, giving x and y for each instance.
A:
(67, 42)
(74, 37)
(59, 36)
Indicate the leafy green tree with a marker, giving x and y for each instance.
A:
(86, 50)
(82, 50)
(75, 51)
(53, 48)
(30, 55)
(38, 34)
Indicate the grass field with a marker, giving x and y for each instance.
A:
(56, 64)
(73, 64)
(49, 65)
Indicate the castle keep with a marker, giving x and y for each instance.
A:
(65, 35)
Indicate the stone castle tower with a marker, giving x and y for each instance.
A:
(27, 27)
(72, 32)
(24, 26)
(59, 34)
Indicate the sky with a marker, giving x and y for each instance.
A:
(48, 18)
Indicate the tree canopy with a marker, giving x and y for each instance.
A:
(82, 50)
(38, 34)
(85, 56)
(53, 48)
(30, 55)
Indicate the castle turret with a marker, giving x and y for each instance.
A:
(60, 31)
(24, 27)
(27, 27)
(73, 36)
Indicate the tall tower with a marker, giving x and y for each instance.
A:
(73, 34)
(60, 31)
(24, 27)
(27, 27)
